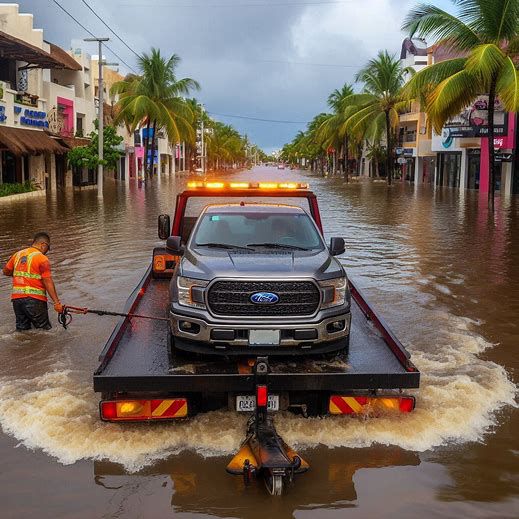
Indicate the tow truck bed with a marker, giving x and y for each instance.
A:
(135, 358)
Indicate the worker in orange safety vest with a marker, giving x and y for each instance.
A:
(32, 280)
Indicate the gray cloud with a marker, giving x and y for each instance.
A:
(248, 59)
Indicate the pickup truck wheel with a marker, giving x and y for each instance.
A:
(343, 350)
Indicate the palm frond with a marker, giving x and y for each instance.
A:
(450, 97)
(420, 84)
(427, 20)
(484, 63)
(507, 86)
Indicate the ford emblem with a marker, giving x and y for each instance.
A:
(264, 298)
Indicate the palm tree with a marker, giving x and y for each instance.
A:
(332, 132)
(377, 108)
(155, 98)
(485, 33)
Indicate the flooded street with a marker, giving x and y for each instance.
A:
(442, 272)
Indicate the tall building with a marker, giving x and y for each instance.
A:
(46, 103)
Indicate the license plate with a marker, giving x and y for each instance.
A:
(264, 337)
(248, 403)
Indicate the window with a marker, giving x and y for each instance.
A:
(245, 229)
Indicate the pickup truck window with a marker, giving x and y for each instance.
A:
(195, 206)
(259, 230)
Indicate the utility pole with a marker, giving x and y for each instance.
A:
(100, 116)
(203, 149)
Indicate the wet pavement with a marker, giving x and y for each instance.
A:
(440, 269)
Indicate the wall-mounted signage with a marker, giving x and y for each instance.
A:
(34, 118)
(473, 121)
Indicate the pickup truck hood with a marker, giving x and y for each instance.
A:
(264, 264)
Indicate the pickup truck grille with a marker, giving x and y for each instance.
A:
(233, 298)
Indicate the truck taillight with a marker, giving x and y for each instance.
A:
(143, 410)
(342, 404)
(261, 396)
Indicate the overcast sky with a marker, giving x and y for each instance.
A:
(267, 59)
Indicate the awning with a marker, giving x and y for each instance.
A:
(14, 48)
(20, 141)
(75, 142)
(66, 59)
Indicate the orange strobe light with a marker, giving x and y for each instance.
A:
(341, 404)
(143, 410)
(247, 185)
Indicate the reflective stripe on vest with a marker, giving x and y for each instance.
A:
(20, 274)
(29, 291)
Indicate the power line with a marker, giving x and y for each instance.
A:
(110, 29)
(258, 119)
(93, 35)
(255, 4)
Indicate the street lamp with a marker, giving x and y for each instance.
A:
(100, 115)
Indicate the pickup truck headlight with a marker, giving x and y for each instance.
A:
(334, 292)
(190, 292)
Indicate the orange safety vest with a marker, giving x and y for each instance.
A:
(26, 279)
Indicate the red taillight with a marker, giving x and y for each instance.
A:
(261, 396)
(345, 404)
(407, 404)
(108, 410)
(143, 410)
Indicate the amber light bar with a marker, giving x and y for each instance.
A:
(247, 185)
(342, 404)
(143, 410)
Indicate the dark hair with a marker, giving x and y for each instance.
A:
(41, 236)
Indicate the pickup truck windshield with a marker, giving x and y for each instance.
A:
(293, 231)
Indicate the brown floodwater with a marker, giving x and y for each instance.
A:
(440, 269)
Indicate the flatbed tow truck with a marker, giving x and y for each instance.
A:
(143, 378)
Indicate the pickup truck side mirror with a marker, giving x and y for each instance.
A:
(337, 246)
(173, 245)
(164, 224)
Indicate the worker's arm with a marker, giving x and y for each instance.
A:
(48, 283)
(9, 267)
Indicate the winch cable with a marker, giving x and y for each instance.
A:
(65, 317)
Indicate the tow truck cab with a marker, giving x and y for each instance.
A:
(255, 277)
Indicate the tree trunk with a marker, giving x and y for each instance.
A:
(146, 142)
(388, 149)
(153, 143)
(346, 154)
(491, 153)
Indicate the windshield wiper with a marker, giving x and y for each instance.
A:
(222, 246)
(277, 246)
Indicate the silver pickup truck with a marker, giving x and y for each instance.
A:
(258, 279)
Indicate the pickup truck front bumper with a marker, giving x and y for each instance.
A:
(214, 336)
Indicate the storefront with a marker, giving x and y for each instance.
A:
(29, 155)
(449, 169)
(474, 160)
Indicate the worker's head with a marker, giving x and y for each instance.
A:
(41, 241)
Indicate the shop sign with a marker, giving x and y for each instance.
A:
(503, 157)
(473, 121)
(32, 117)
(3, 117)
